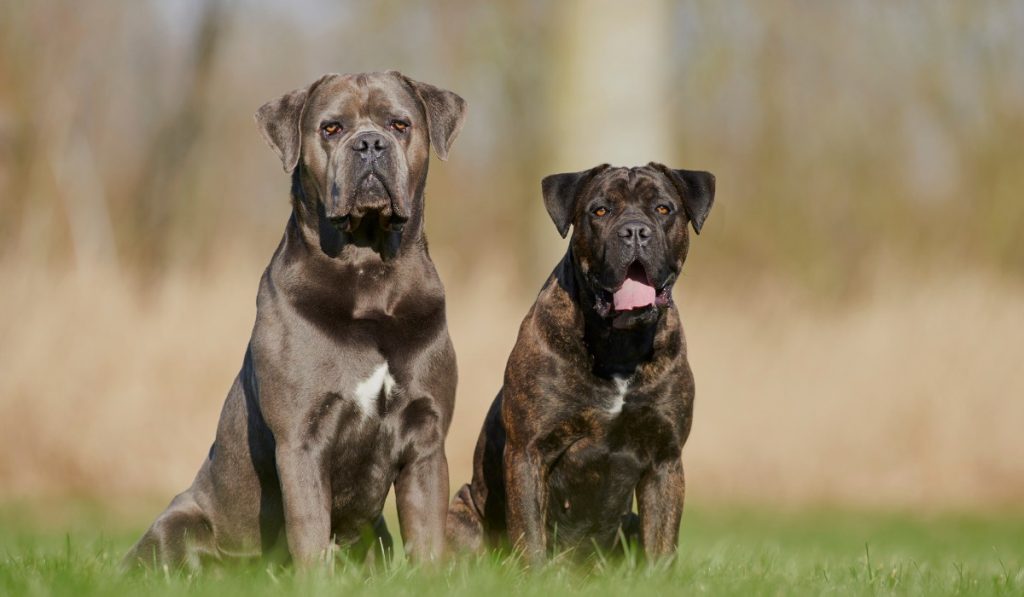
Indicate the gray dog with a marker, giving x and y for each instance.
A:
(348, 383)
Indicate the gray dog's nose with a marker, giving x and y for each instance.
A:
(635, 233)
(370, 145)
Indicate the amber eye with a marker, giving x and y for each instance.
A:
(399, 125)
(330, 129)
(601, 212)
(663, 210)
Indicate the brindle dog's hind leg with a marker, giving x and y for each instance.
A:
(181, 538)
(629, 533)
(464, 529)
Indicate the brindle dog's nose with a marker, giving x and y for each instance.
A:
(635, 233)
(370, 146)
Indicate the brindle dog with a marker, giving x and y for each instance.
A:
(598, 395)
(348, 383)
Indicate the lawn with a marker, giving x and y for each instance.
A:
(723, 551)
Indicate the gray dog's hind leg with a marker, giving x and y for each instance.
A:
(180, 538)
(375, 547)
(385, 545)
(378, 546)
(464, 528)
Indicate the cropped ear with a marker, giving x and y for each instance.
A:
(445, 113)
(561, 192)
(280, 123)
(696, 189)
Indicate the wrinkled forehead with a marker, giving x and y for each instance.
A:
(630, 185)
(362, 95)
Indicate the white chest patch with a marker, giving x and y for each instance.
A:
(622, 385)
(378, 386)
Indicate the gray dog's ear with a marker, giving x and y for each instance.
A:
(280, 123)
(445, 113)
(561, 192)
(696, 188)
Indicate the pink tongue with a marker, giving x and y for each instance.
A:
(633, 295)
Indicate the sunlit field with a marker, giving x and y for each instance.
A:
(730, 551)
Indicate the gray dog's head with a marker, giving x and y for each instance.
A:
(361, 142)
(629, 237)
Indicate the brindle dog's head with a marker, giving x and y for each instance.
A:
(629, 237)
(360, 143)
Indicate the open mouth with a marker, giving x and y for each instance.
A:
(636, 298)
(636, 292)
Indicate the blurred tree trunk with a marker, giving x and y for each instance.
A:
(610, 94)
(161, 184)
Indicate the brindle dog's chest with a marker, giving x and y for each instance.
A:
(622, 434)
(631, 423)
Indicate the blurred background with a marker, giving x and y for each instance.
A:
(854, 306)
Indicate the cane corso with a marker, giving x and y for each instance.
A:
(348, 383)
(598, 395)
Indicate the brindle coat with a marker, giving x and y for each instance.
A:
(596, 404)
(348, 383)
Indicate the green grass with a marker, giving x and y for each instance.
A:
(723, 551)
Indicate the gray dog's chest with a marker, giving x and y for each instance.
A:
(372, 392)
(348, 388)
(360, 435)
(348, 412)
(362, 404)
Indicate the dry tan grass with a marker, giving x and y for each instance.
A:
(909, 396)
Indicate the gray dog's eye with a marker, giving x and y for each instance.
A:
(400, 125)
(330, 129)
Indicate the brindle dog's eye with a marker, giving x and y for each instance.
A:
(399, 125)
(601, 212)
(330, 129)
(663, 210)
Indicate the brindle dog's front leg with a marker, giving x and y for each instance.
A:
(526, 501)
(421, 490)
(660, 495)
(306, 497)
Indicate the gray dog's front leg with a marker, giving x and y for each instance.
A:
(421, 490)
(306, 498)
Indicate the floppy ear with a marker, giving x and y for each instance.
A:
(561, 192)
(280, 123)
(696, 189)
(445, 112)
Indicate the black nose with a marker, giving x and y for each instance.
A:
(370, 146)
(635, 233)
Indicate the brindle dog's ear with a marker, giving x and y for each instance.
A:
(696, 189)
(280, 122)
(561, 192)
(445, 113)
